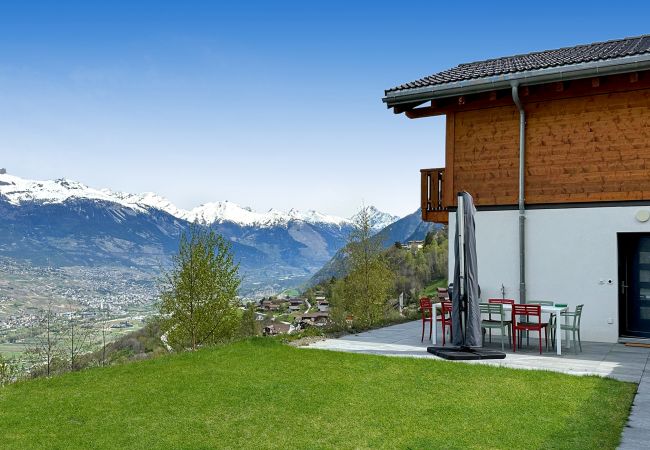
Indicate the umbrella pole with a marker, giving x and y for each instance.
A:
(460, 218)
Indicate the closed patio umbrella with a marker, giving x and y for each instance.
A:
(466, 314)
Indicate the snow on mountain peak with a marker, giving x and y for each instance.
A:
(378, 219)
(17, 190)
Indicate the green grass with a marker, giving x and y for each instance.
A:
(290, 292)
(430, 290)
(262, 394)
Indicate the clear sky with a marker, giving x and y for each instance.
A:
(269, 104)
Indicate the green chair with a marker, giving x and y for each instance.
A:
(573, 327)
(499, 322)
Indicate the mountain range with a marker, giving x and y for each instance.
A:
(66, 223)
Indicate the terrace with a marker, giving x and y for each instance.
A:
(597, 358)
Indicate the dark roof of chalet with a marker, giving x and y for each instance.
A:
(597, 51)
(314, 315)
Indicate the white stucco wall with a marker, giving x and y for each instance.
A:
(571, 253)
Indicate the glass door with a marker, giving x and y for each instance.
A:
(634, 263)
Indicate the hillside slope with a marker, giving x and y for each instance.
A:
(407, 228)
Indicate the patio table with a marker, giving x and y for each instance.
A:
(552, 310)
(545, 309)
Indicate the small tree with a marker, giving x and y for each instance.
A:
(248, 323)
(199, 294)
(104, 330)
(79, 337)
(46, 336)
(8, 371)
(364, 292)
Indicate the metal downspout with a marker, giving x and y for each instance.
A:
(522, 207)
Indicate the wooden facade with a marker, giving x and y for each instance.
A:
(586, 141)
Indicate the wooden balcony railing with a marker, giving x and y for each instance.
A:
(432, 185)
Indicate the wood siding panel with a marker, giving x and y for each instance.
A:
(592, 148)
(486, 155)
(583, 149)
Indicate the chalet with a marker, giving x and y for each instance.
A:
(317, 318)
(414, 245)
(323, 306)
(295, 304)
(554, 146)
(268, 305)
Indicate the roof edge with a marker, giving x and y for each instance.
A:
(525, 78)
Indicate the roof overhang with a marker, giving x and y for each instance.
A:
(539, 76)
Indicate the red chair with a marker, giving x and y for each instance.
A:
(427, 315)
(528, 311)
(501, 301)
(445, 320)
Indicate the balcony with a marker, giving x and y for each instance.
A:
(432, 184)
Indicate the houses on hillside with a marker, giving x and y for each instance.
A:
(296, 310)
(315, 318)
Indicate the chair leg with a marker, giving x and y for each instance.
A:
(540, 340)
(514, 340)
(503, 336)
(431, 328)
(422, 340)
(575, 347)
(444, 331)
(552, 337)
(546, 337)
(490, 335)
(579, 342)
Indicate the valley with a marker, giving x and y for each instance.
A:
(98, 255)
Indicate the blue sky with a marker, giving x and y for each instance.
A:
(269, 104)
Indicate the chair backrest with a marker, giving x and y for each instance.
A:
(578, 316)
(527, 310)
(503, 301)
(492, 308)
(426, 307)
(541, 302)
(446, 307)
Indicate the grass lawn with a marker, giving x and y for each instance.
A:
(431, 289)
(263, 394)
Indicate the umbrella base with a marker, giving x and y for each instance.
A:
(465, 353)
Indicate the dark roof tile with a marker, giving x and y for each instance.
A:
(534, 61)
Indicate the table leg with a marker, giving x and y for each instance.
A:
(434, 324)
(558, 336)
(566, 332)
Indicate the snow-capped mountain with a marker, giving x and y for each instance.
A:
(17, 190)
(378, 219)
(66, 223)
